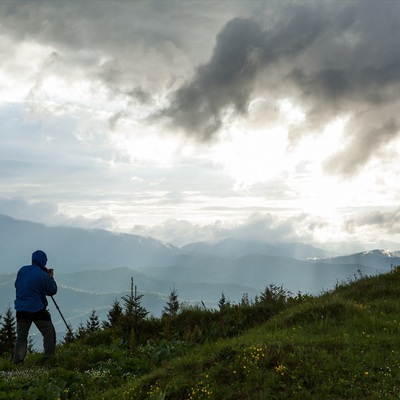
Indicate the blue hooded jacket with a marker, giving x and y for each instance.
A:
(33, 284)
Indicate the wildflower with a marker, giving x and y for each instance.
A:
(281, 369)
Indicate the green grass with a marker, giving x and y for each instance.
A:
(344, 344)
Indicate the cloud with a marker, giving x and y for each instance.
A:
(258, 226)
(48, 213)
(385, 222)
(19, 208)
(363, 143)
(52, 59)
(363, 231)
(330, 59)
(228, 80)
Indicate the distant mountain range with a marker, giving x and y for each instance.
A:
(75, 249)
(94, 267)
(231, 248)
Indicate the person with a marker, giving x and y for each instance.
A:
(32, 285)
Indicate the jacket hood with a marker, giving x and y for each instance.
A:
(39, 258)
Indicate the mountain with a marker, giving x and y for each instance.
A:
(231, 247)
(258, 271)
(373, 259)
(75, 249)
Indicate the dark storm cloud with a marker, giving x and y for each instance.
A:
(227, 79)
(242, 49)
(332, 59)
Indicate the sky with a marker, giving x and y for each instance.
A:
(201, 120)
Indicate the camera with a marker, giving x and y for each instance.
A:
(48, 270)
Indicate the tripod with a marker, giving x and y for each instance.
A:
(62, 316)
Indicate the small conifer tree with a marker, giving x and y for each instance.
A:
(223, 302)
(81, 331)
(69, 336)
(93, 323)
(114, 315)
(173, 305)
(134, 312)
(275, 297)
(245, 300)
(7, 332)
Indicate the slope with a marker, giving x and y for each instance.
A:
(342, 345)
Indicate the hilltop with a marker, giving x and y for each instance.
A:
(342, 344)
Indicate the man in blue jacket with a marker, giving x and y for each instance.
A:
(34, 282)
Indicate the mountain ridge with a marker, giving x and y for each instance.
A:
(231, 247)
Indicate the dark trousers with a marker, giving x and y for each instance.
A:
(42, 320)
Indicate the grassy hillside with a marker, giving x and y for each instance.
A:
(344, 344)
